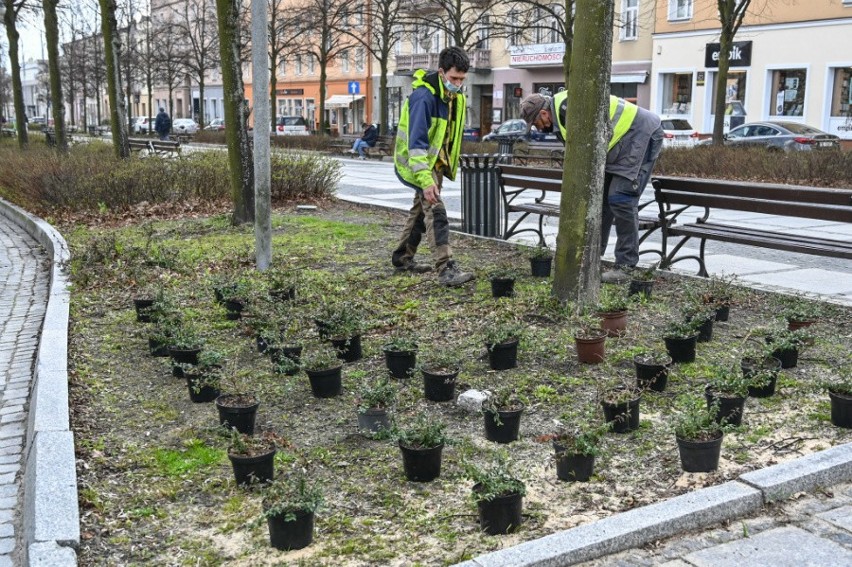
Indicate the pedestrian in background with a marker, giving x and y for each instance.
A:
(367, 140)
(635, 144)
(427, 148)
(163, 124)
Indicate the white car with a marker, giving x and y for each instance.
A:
(140, 125)
(291, 126)
(678, 133)
(184, 126)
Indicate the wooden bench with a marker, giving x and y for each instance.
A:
(153, 146)
(550, 154)
(384, 145)
(49, 137)
(515, 180)
(675, 195)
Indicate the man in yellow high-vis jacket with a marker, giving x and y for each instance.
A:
(428, 144)
(637, 138)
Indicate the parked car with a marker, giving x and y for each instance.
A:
(184, 126)
(38, 120)
(678, 133)
(513, 129)
(778, 135)
(140, 125)
(291, 126)
(217, 124)
(471, 135)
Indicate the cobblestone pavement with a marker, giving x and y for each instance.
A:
(24, 279)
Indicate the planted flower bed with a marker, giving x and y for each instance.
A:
(155, 479)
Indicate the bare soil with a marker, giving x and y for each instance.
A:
(155, 483)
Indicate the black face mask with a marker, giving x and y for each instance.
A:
(547, 129)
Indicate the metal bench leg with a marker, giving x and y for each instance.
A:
(702, 268)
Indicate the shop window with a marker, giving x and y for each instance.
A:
(735, 87)
(629, 19)
(788, 92)
(680, 9)
(511, 103)
(841, 94)
(676, 93)
(627, 91)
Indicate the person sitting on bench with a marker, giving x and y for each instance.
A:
(368, 139)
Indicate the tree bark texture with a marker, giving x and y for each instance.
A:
(236, 114)
(112, 54)
(10, 20)
(578, 241)
(51, 29)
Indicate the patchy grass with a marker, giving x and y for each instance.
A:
(156, 487)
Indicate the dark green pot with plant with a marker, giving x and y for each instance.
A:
(348, 348)
(234, 309)
(540, 267)
(762, 375)
(572, 466)
(327, 382)
(421, 464)
(681, 349)
(202, 390)
(143, 307)
(503, 356)
(730, 407)
(286, 359)
(257, 465)
(289, 534)
(641, 287)
(158, 348)
(623, 415)
(705, 330)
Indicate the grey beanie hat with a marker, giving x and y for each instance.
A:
(532, 106)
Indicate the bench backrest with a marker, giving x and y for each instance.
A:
(541, 178)
(158, 145)
(765, 198)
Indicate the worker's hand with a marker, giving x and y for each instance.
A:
(432, 194)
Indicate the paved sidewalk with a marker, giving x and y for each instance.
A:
(24, 279)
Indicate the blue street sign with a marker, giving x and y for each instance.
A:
(354, 87)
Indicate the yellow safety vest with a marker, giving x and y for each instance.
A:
(621, 115)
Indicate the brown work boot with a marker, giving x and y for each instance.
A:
(451, 276)
(413, 267)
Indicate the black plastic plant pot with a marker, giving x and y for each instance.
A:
(540, 267)
(401, 363)
(291, 353)
(730, 408)
(651, 376)
(220, 292)
(439, 387)
(323, 329)
(502, 287)
(573, 467)
(502, 427)
(205, 394)
(295, 534)
(288, 294)
(771, 366)
(644, 287)
(373, 419)
(262, 345)
(348, 349)
(234, 309)
(239, 417)
(255, 469)
(681, 350)
(501, 515)
(789, 357)
(326, 383)
(723, 312)
(705, 331)
(421, 465)
(841, 409)
(700, 456)
(177, 371)
(623, 417)
(503, 356)
(142, 307)
(157, 348)
(184, 355)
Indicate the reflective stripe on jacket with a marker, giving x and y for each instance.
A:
(621, 116)
(422, 129)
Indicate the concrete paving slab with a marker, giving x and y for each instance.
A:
(840, 517)
(49, 554)
(811, 280)
(728, 264)
(782, 547)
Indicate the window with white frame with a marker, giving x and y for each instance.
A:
(515, 33)
(298, 64)
(629, 19)
(483, 32)
(359, 59)
(311, 62)
(399, 35)
(344, 60)
(676, 93)
(841, 94)
(787, 96)
(282, 67)
(680, 9)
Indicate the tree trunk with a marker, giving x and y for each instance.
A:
(51, 29)
(14, 59)
(578, 241)
(383, 94)
(112, 52)
(323, 78)
(236, 114)
(725, 42)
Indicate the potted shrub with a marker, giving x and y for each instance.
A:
(611, 310)
(238, 408)
(680, 338)
(421, 445)
(285, 349)
(165, 317)
(698, 434)
(701, 317)
(800, 312)
(541, 261)
(642, 281)
(575, 449)
(785, 345)
(652, 370)
(498, 494)
(840, 393)
(289, 505)
(719, 294)
(342, 324)
(144, 302)
(252, 457)
(234, 297)
(760, 371)
(401, 354)
(620, 404)
(502, 336)
(440, 368)
(374, 399)
(185, 343)
(501, 413)
(282, 283)
(502, 281)
(324, 369)
(589, 340)
(727, 390)
(203, 379)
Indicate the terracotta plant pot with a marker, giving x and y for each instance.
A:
(614, 322)
(591, 348)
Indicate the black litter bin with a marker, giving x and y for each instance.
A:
(480, 195)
